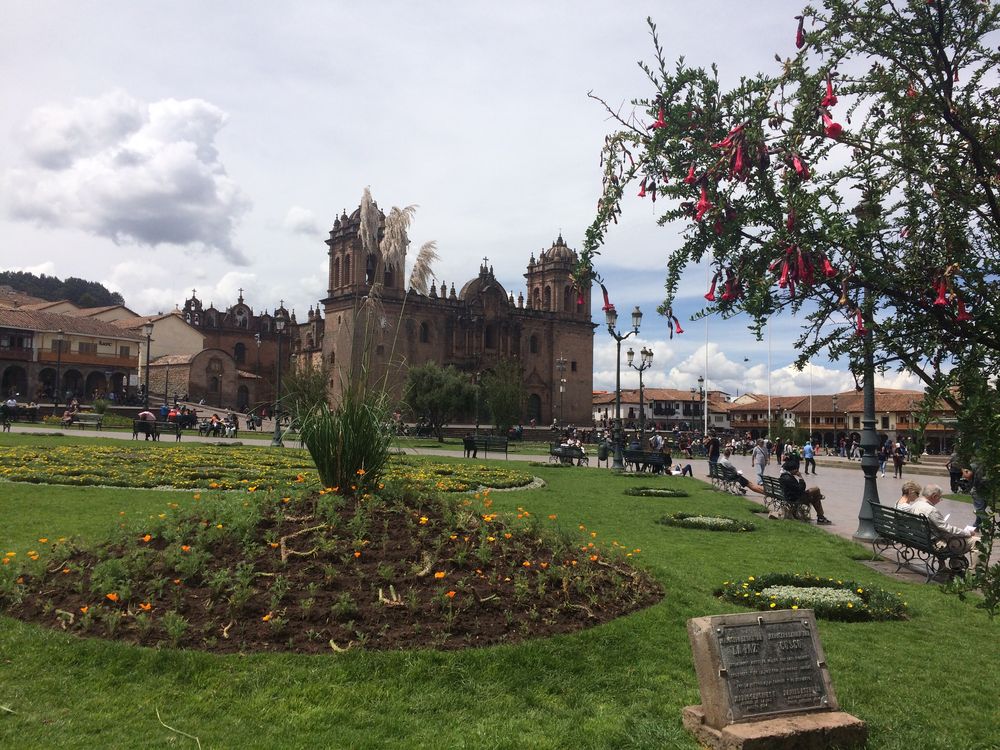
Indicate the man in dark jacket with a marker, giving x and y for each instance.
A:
(794, 487)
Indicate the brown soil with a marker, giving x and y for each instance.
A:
(364, 574)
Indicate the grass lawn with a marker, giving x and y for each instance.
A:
(930, 682)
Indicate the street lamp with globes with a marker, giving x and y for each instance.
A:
(612, 319)
(645, 363)
(279, 326)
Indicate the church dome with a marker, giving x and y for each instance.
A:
(559, 251)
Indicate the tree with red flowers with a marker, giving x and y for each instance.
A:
(857, 183)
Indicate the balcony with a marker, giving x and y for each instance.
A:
(18, 353)
(101, 361)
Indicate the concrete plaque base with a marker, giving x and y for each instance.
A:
(811, 731)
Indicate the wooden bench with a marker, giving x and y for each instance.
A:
(85, 420)
(155, 429)
(911, 536)
(653, 461)
(487, 443)
(776, 502)
(726, 479)
(567, 454)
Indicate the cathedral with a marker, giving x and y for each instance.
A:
(547, 328)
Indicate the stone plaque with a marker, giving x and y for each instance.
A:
(760, 665)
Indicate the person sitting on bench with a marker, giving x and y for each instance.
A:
(945, 535)
(794, 487)
(741, 480)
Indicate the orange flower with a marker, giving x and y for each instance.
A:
(274, 545)
(300, 478)
(267, 617)
(593, 558)
(526, 564)
(357, 554)
(450, 594)
(43, 540)
(360, 472)
(543, 565)
(185, 548)
(84, 609)
(213, 485)
(65, 570)
(552, 516)
(286, 499)
(147, 538)
(177, 581)
(145, 606)
(112, 596)
(508, 535)
(439, 574)
(197, 496)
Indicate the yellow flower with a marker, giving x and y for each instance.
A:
(43, 540)
(773, 605)
(423, 520)
(850, 605)
(861, 591)
(218, 525)
(795, 606)
(751, 578)
(267, 617)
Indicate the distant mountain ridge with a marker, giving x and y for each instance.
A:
(78, 291)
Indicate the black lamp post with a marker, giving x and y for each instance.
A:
(561, 366)
(148, 330)
(834, 445)
(645, 363)
(694, 411)
(612, 319)
(703, 393)
(59, 345)
(869, 446)
(279, 326)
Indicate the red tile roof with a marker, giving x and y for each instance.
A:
(39, 320)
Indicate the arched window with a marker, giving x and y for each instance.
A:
(490, 337)
(240, 352)
(347, 270)
(336, 272)
(547, 302)
(425, 333)
(533, 344)
(536, 299)
(567, 298)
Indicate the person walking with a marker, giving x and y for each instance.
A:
(808, 454)
(898, 458)
(759, 458)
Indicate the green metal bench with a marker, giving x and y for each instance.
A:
(911, 537)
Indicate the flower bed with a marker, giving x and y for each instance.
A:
(830, 598)
(320, 572)
(709, 523)
(212, 467)
(655, 492)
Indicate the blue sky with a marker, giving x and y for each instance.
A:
(163, 147)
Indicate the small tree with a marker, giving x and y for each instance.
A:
(504, 390)
(436, 395)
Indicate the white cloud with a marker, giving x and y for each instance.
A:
(300, 220)
(46, 267)
(115, 167)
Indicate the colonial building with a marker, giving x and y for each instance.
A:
(480, 324)
(53, 356)
(237, 366)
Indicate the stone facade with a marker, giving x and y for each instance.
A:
(473, 329)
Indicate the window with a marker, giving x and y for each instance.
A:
(885, 422)
(533, 344)
(547, 301)
(336, 272)
(240, 353)
(425, 333)
(86, 347)
(572, 366)
(124, 352)
(489, 337)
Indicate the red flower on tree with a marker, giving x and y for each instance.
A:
(831, 129)
(703, 206)
(830, 99)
